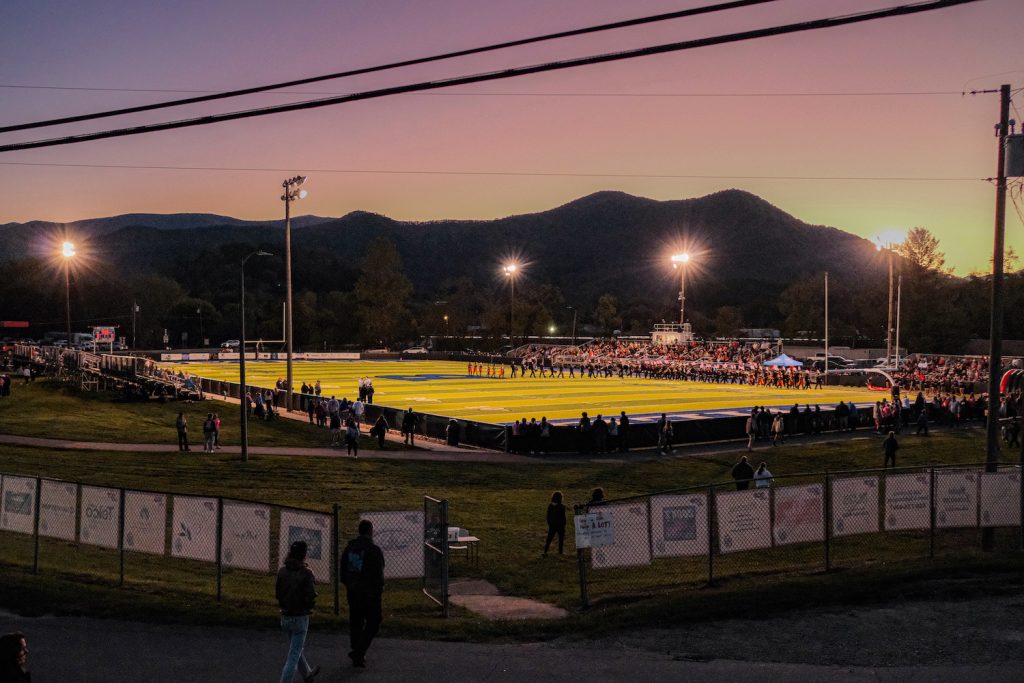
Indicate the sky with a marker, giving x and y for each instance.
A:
(526, 144)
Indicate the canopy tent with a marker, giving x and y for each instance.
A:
(783, 361)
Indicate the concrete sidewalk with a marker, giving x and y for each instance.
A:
(92, 650)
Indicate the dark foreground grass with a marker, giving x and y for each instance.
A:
(47, 409)
(504, 505)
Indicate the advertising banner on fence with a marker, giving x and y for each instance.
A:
(18, 512)
(908, 501)
(956, 498)
(399, 535)
(1000, 498)
(744, 520)
(194, 528)
(799, 514)
(58, 505)
(245, 536)
(854, 506)
(593, 529)
(100, 516)
(632, 546)
(679, 525)
(145, 522)
(315, 530)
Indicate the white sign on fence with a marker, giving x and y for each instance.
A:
(245, 536)
(1000, 498)
(908, 501)
(18, 511)
(145, 522)
(956, 498)
(744, 520)
(315, 530)
(679, 524)
(58, 503)
(400, 537)
(594, 529)
(99, 516)
(632, 546)
(854, 506)
(799, 514)
(194, 528)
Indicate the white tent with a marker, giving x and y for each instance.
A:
(783, 361)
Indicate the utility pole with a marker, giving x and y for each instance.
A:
(995, 359)
(826, 327)
(888, 327)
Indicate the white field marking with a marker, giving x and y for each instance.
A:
(493, 409)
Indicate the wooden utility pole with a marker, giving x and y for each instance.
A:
(995, 359)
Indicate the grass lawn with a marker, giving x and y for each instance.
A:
(502, 504)
(45, 408)
(444, 388)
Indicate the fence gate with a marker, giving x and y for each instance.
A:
(435, 551)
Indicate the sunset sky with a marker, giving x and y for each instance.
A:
(555, 129)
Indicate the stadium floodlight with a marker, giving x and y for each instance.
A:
(888, 241)
(511, 269)
(291, 193)
(244, 421)
(680, 261)
(67, 249)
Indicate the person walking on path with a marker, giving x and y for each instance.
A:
(352, 438)
(922, 421)
(181, 424)
(778, 430)
(556, 523)
(742, 473)
(379, 430)
(362, 572)
(296, 596)
(751, 429)
(762, 478)
(409, 421)
(890, 445)
(209, 433)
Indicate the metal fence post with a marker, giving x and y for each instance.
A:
(828, 522)
(220, 544)
(931, 513)
(120, 539)
(335, 571)
(581, 561)
(711, 535)
(35, 529)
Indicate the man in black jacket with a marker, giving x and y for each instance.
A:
(296, 596)
(362, 572)
(742, 472)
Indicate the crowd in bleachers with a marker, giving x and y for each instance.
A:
(942, 373)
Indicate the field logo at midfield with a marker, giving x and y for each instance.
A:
(429, 377)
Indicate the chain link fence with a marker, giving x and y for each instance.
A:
(799, 523)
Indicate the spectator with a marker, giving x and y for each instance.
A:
(14, 658)
(216, 431)
(762, 478)
(296, 596)
(890, 445)
(545, 435)
(778, 430)
(181, 424)
(600, 429)
(613, 434)
(209, 433)
(623, 432)
(597, 497)
(750, 429)
(556, 523)
(584, 435)
(451, 432)
(409, 423)
(922, 421)
(742, 473)
(352, 437)
(379, 430)
(362, 572)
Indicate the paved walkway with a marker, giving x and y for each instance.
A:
(92, 650)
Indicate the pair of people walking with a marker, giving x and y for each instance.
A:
(362, 572)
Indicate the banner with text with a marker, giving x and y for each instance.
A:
(956, 498)
(18, 512)
(398, 535)
(679, 524)
(632, 546)
(58, 507)
(315, 530)
(799, 514)
(854, 506)
(908, 501)
(145, 522)
(744, 520)
(245, 536)
(194, 528)
(1000, 498)
(99, 516)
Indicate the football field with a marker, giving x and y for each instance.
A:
(445, 388)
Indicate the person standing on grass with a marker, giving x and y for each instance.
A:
(216, 431)
(742, 473)
(556, 523)
(762, 478)
(890, 445)
(352, 437)
(778, 430)
(750, 429)
(296, 596)
(335, 430)
(409, 421)
(14, 658)
(358, 409)
(181, 424)
(362, 572)
(380, 430)
(623, 432)
(311, 409)
(209, 433)
(922, 421)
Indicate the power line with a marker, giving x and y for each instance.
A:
(707, 9)
(909, 93)
(573, 174)
(901, 10)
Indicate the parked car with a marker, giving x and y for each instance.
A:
(231, 344)
(832, 364)
(416, 350)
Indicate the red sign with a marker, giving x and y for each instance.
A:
(13, 323)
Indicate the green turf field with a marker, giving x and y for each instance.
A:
(444, 388)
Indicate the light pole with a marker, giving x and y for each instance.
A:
(573, 309)
(511, 269)
(679, 261)
(291, 194)
(244, 417)
(68, 251)
(446, 333)
(202, 338)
